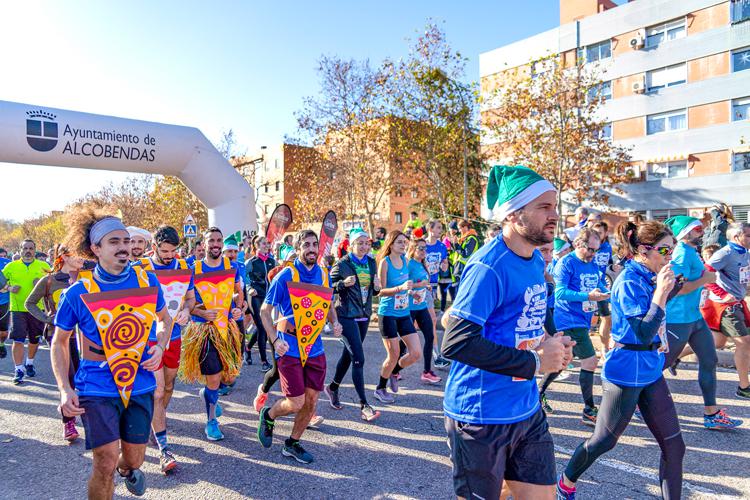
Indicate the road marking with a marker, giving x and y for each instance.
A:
(640, 471)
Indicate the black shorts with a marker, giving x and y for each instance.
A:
(603, 308)
(4, 317)
(210, 360)
(23, 325)
(107, 420)
(392, 327)
(484, 455)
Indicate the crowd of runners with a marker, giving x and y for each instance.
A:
(128, 311)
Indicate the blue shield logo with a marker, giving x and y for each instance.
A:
(41, 130)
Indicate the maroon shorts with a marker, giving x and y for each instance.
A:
(171, 357)
(295, 378)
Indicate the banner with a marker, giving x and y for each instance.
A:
(280, 220)
(327, 235)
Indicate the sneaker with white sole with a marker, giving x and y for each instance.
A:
(430, 378)
(383, 396)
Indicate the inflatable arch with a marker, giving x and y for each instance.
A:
(39, 135)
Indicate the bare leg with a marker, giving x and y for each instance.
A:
(303, 416)
(101, 482)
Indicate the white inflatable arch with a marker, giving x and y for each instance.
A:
(39, 135)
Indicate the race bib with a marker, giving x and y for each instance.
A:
(745, 275)
(704, 298)
(365, 291)
(589, 306)
(401, 301)
(526, 343)
(418, 296)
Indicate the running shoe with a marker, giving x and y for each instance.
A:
(741, 393)
(368, 414)
(673, 367)
(383, 396)
(18, 379)
(225, 390)
(563, 492)
(167, 461)
(136, 482)
(3, 351)
(315, 422)
(30, 371)
(70, 433)
(545, 404)
(430, 378)
(589, 416)
(265, 429)
(399, 377)
(248, 358)
(720, 420)
(297, 452)
(637, 413)
(265, 366)
(333, 397)
(441, 363)
(213, 433)
(260, 399)
(393, 383)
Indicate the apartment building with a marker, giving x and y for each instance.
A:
(676, 78)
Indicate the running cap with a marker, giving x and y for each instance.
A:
(681, 225)
(285, 252)
(230, 243)
(137, 231)
(560, 245)
(103, 227)
(511, 188)
(358, 233)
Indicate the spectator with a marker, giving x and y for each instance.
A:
(343, 247)
(720, 218)
(414, 222)
(581, 216)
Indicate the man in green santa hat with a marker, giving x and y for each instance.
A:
(494, 335)
(560, 248)
(685, 323)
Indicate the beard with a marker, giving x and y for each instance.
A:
(214, 253)
(310, 258)
(136, 252)
(696, 241)
(536, 235)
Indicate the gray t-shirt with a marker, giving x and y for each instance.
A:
(734, 270)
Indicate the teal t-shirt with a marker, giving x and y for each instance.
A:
(419, 296)
(686, 308)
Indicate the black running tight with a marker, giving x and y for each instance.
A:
(353, 355)
(260, 334)
(616, 410)
(424, 321)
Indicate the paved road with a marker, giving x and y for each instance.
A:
(402, 455)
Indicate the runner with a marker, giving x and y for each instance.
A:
(302, 371)
(231, 251)
(494, 336)
(436, 258)
(343, 247)
(4, 304)
(355, 280)
(414, 222)
(603, 259)
(115, 402)
(47, 291)
(179, 291)
(581, 215)
(139, 241)
(560, 248)
(211, 342)
(377, 243)
(21, 275)
(258, 266)
(394, 318)
(578, 287)
(198, 252)
(632, 373)
(463, 248)
(419, 304)
(727, 310)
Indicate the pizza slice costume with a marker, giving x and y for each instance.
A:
(174, 284)
(310, 305)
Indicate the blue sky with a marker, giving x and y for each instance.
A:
(212, 65)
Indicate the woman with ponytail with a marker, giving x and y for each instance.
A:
(632, 373)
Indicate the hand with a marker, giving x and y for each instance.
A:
(182, 317)
(69, 405)
(14, 288)
(596, 295)
(350, 281)
(210, 314)
(281, 347)
(253, 292)
(409, 285)
(665, 280)
(337, 329)
(552, 354)
(236, 313)
(152, 364)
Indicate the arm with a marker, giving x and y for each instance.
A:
(691, 286)
(562, 293)
(183, 315)
(645, 327)
(279, 345)
(60, 354)
(162, 339)
(337, 279)
(33, 299)
(383, 277)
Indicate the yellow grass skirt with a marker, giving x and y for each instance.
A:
(194, 340)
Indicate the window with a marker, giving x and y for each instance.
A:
(265, 209)
(740, 10)
(740, 109)
(595, 52)
(667, 170)
(414, 193)
(276, 163)
(666, 122)
(278, 185)
(606, 132)
(666, 77)
(662, 215)
(399, 217)
(741, 161)
(602, 91)
(670, 30)
(398, 193)
(265, 188)
(741, 60)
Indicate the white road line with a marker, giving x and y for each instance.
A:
(640, 471)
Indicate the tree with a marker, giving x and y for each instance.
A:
(549, 121)
(435, 134)
(347, 125)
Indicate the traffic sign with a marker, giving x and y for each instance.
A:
(189, 221)
(190, 231)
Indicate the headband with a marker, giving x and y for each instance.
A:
(103, 227)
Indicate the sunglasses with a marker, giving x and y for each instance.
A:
(663, 251)
(422, 248)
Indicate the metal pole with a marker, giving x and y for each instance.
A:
(466, 178)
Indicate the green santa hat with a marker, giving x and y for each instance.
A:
(512, 188)
(681, 225)
(357, 233)
(230, 243)
(559, 245)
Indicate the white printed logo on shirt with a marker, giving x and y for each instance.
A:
(745, 275)
(529, 332)
(588, 284)
(602, 259)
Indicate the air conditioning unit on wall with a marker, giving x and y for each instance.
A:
(638, 41)
(639, 86)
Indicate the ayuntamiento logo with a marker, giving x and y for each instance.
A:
(41, 130)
